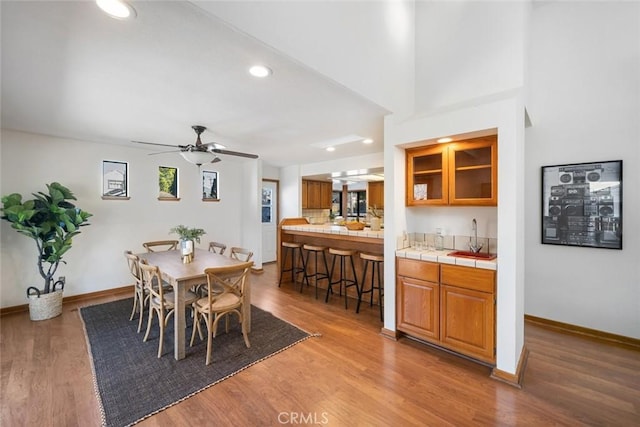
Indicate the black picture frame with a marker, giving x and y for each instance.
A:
(582, 204)
(210, 186)
(168, 183)
(115, 180)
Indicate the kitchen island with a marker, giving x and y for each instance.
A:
(299, 230)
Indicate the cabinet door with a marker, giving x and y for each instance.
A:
(305, 194)
(427, 176)
(375, 194)
(473, 172)
(467, 322)
(314, 195)
(418, 304)
(326, 188)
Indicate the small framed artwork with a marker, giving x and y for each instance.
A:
(210, 186)
(167, 183)
(582, 204)
(115, 180)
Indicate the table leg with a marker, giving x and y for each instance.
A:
(179, 324)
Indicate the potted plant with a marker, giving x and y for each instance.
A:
(375, 218)
(187, 238)
(52, 221)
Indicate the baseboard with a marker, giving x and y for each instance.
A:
(388, 333)
(514, 380)
(256, 270)
(72, 299)
(582, 331)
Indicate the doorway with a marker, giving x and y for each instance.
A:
(269, 208)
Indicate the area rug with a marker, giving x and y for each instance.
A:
(132, 383)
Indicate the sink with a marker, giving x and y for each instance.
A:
(469, 254)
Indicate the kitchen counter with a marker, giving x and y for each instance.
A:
(334, 229)
(442, 257)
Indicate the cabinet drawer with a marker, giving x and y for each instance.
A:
(469, 278)
(422, 270)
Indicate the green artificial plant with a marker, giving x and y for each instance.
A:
(187, 233)
(49, 219)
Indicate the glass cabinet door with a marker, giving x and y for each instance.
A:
(427, 177)
(473, 172)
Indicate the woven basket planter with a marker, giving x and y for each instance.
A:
(45, 306)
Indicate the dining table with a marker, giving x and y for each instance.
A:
(182, 277)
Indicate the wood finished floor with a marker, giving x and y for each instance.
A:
(351, 376)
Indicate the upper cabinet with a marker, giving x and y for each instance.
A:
(459, 173)
(316, 194)
(375, 194)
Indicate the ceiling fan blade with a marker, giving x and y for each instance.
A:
(154, 143)
(164, 152)
(234, 153)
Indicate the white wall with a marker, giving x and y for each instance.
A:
(96, 262)
(467, 49)
(585, 107)
(367, 46)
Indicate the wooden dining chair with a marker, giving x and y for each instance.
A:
(160, 301)
(217, 248)
(161, 245)
(241, 254)
(138, 288)
(215, 306)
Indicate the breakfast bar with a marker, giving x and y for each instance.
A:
(298, 230)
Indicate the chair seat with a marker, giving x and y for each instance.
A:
(314, 248)
(169, 298)
(223, 303)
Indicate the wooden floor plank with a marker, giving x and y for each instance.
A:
(351, 375)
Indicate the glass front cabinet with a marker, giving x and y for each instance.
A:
(458, 173)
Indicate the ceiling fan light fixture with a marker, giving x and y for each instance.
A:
(117, 9)
(199, 157)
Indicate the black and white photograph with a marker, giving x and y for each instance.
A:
(209, 186)
(115, 180)
(582, 204)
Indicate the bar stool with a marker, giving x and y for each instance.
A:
(343, 254)
(376, 261)
(291, 248)
(317, 275)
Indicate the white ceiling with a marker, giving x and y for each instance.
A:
(69, 70)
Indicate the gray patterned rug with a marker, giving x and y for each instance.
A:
(132, 383)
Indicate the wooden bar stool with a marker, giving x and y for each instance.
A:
(342, 254)
(376, 261)
(317, 275)
(291, 248)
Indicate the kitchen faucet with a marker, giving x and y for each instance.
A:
(475, 248)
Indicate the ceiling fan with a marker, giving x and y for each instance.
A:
(200, 153)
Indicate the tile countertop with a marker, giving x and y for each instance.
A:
(335, 229)
(443, 258)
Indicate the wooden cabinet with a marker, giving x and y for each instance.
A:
(448, 305)
(316, 194)
(460, 173)
(305, 194)
(375, 194)
(418, 299)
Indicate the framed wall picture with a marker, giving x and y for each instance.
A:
(115, 180)
(167, 183)
(582, 204)
(210, 186)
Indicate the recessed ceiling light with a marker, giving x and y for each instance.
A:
(442, 140)
(260, 71)
(331, 148)
(118, 9)
(367, 141)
